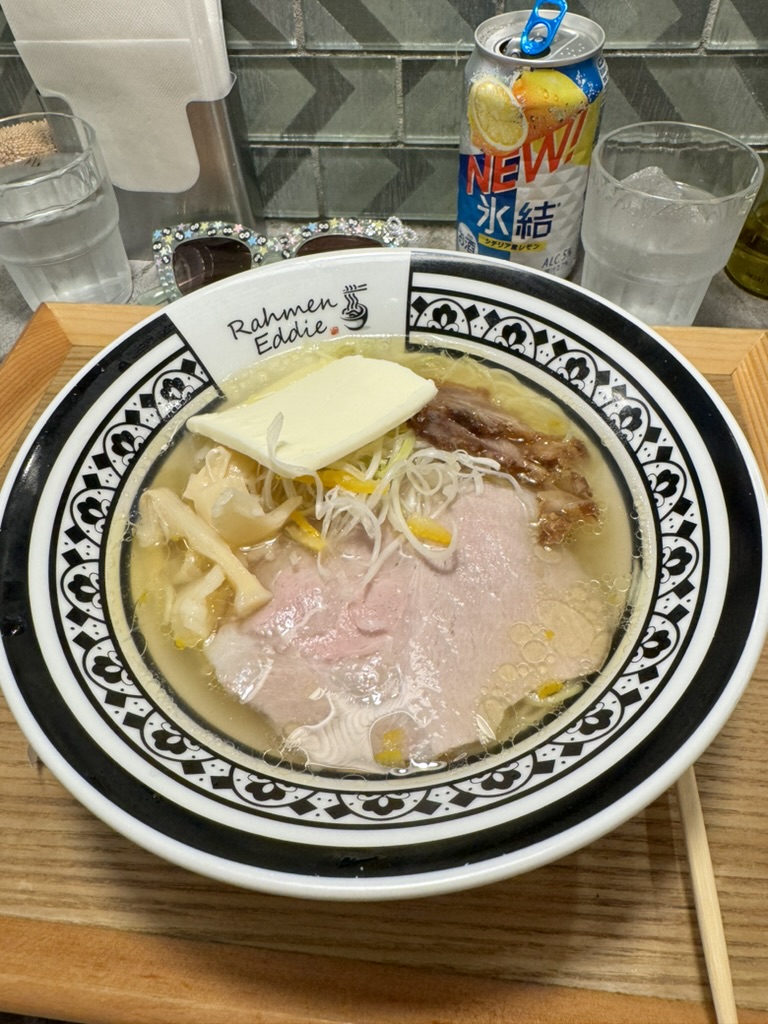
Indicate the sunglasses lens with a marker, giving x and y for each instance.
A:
(200, 261)
(332, 243)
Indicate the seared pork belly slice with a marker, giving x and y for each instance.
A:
(464, 418)
(415, 665)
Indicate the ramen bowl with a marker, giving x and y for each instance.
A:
(95, 707)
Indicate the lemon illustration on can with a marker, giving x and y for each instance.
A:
(549, 99)
(496, 121)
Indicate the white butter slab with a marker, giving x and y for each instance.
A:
(326, 415)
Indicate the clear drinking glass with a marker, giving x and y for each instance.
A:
(59, 235)
(664, 206)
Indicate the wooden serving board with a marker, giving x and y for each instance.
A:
(95, 929)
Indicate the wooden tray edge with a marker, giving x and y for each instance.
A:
(742, 355)
(245, 985)
(30, 366)
(26, 373)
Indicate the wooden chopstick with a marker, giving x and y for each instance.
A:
(706, 900)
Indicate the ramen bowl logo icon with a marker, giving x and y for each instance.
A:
(354, 314)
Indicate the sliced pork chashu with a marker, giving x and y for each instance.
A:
(412, 662)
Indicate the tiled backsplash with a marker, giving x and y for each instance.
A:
(353, 106)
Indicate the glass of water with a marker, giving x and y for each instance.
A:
(664, 206)
(59, 234)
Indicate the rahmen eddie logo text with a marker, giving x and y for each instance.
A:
(273, 329)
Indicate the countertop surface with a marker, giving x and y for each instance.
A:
(725, 304)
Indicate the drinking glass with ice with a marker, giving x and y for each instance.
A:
(664, 206)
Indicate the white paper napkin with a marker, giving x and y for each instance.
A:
(129, 69)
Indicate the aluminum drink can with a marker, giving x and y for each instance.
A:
(528, 128)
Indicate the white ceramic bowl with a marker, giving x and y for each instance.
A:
(135, 756)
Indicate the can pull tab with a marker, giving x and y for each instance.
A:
(541, 27)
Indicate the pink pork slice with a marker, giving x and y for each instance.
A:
(420, 653)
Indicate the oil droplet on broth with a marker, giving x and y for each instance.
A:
(534, 651)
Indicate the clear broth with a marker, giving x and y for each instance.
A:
(606, 552)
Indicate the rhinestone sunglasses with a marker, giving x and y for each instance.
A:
(190, 256)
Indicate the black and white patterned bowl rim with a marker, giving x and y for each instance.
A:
(130, 753)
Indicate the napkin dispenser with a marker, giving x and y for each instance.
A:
(226, 187)
(153, 80)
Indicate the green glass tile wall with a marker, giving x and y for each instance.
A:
(392, 24)
(740, 25)
(328, 99)
(353, 106)
(266, 25)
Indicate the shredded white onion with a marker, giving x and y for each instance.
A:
(424, 483)
(342, 512)
(410, 481)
